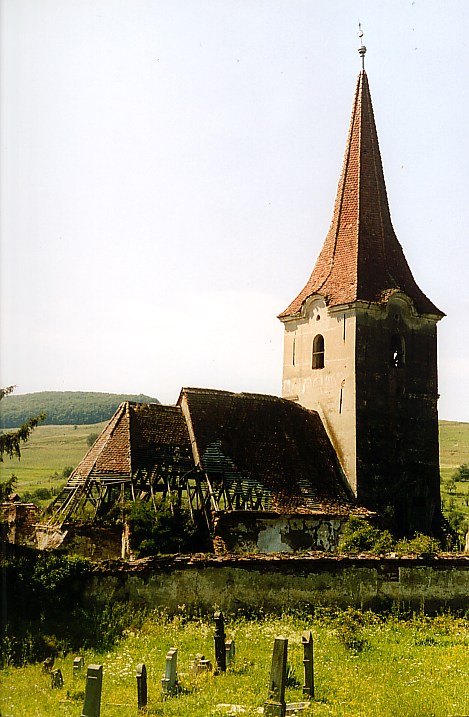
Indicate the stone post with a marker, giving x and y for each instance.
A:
(308, 663)
(230, 652)
(220, 649)
(78, 665)
(168, 683)
(275, 705)
(94, 684)
(141, 686)
(56, 679)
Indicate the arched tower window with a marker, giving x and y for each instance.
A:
(318, 352)
(397, 351)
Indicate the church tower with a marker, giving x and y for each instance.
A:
(360, 345)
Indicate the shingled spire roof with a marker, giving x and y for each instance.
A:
(361, 259)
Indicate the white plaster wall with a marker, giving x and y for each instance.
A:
(330, 390)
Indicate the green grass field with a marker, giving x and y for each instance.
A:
(414, 668)
(48, 452)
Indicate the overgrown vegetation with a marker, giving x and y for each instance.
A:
(164, 528)
(43, 609)
(64, 407)
(359, 536)
(396, 665)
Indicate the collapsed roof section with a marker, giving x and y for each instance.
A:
(213, 451)
(264, 445)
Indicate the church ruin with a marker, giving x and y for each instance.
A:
(356, 429)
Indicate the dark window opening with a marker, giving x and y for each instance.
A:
(318, 352)
(397, 351)
(293, 352)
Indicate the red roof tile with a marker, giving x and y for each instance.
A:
(271, 443)
(361, 259)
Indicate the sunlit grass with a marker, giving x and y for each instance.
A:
(417, 668)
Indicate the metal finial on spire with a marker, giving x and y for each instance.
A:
(362, 48)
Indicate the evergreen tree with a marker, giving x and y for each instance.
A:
(10, 442)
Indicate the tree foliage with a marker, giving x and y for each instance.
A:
(462, 473)
(358, 536)
(10, 443)
(169, 529)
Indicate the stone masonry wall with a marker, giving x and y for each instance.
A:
(279, 582)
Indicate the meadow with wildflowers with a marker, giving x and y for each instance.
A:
(366, 665)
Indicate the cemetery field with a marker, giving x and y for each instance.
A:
(365, 666)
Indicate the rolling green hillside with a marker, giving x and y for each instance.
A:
(64, 407)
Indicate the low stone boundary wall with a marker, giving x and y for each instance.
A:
(273, 583)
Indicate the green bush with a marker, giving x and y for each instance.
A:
(418, 545)
(462, 473)
(359, 536)
(162, 529)
(44, 611)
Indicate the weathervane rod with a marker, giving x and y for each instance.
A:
(362, 48)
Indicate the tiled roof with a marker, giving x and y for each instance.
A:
(361, 258)
(267, 442)
(138, 436)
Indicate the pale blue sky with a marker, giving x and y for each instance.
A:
(168, 173)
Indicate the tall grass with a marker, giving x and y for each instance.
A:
(394, 667)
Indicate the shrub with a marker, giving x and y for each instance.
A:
(349, 630)
(462, 473)
(420, 544)
(90, 439)
(162, 529)
(358, 536)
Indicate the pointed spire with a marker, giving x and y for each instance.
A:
(361, 259)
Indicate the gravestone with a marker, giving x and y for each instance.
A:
(78, 665)
(275, 705)
(200, 664)
(142, 693)
(168, 683)
(56, 680)
(220, 650)
(230, 652)
(94, 684)
(308, 663)
(48, 664)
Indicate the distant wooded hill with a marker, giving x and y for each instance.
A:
(64, 407)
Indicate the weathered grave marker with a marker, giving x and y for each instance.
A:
(78, 665)
(94, 684)
(142, 692)
(308, 663)
(230, 652)
(200, 664)
(56, 680)
(168, 683)
(220, 650)
(48, 664)
(275, 705)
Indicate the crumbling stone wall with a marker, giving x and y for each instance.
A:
(280, 582)
(19, 520)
